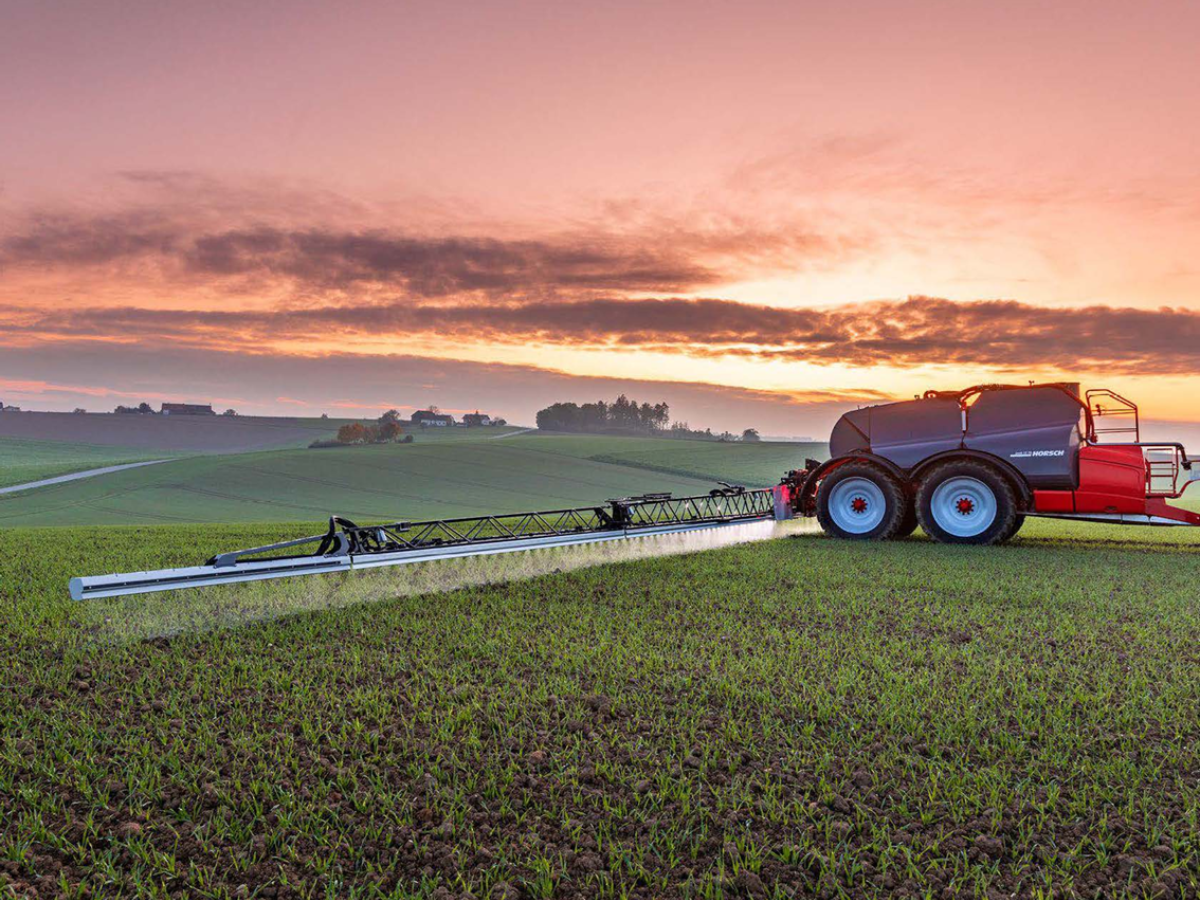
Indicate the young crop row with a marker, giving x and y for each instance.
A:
(791, 718)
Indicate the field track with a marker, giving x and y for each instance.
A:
(76, 476)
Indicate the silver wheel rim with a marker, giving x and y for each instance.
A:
(964, 507)
(857, 505)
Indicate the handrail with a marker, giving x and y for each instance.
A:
(1126, 409)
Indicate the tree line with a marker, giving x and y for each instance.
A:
(622, 414)
(145, 409)
(384, 430)
(625, 416)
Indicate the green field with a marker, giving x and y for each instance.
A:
(60, 443)
(445, 472)
(755, 464)
(793, 718)
(22, 461)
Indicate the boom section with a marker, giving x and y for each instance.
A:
(626, 514)
(347, 546)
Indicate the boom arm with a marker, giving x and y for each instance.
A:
(346, 546)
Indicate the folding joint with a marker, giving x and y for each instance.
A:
(232, 558)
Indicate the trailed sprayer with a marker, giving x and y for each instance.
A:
(966, 466)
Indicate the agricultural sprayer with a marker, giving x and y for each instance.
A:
(967, 466)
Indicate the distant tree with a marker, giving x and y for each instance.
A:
(389, 430)
(751, 435)
(230, 412)
(324, 415)
(560, 417)
(354, 433)
(662, 415)
(622, 414)
(145, 408)
(499, 422)
(595, 416)
(79, 410)
(392, 415)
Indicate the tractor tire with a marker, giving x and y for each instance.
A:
(967, 502)
(860, 501)
(1018, 521)
(908, 521)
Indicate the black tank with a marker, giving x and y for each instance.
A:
(1036, 429)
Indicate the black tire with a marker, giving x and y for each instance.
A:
(984, 493)
(883, 504)
(908, 521)
(1018, 521)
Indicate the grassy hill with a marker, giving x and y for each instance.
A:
(175, 434)
(795, 718)
(443, 473)
(22, 461)
(62, 446)
(755, 465)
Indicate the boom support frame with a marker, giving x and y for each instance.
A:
(346, 545)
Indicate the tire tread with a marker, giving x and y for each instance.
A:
(892, 491)
(1008, 517)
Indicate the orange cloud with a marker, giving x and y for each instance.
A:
(164, 244)
(921, 330)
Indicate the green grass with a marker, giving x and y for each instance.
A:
(793, 718)
(755, 465)
(459, 435)
(22, 461)
(445, 472)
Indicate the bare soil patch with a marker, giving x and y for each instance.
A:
(207, 434)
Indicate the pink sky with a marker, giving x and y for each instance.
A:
(729, 196)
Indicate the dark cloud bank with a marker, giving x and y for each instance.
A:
(587, 289)
(920, 330)
(584, 288)
(319, 259)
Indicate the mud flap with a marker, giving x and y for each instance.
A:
(781, 494)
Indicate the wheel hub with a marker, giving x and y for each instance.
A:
(857, 505)
(963, 506)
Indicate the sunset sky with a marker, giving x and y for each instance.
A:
(770, 210)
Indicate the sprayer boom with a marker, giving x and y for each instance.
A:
(346, 546)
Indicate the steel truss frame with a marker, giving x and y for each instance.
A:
(345, 545)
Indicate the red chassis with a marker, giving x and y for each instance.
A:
(1126, 483)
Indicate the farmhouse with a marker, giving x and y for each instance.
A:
(187, 409)
(477, 418)
(425, 417)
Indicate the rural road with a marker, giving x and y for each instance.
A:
(75, 476)
(499, 437)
